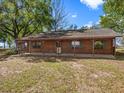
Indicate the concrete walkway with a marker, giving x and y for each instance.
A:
(73, 55)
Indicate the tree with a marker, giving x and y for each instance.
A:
(73, 27)
(59, 15)
(83, 28)
(95, 26)
(3, 38)
(20, 18)
(114, 15)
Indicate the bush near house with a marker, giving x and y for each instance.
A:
(11, 51)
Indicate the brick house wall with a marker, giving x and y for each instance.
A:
(108, 49)
(49, 46)
(86, 46)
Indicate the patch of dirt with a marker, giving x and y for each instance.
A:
(101, 74)
(76, 65)
(4, 71)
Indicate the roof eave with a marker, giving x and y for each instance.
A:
(70, 38)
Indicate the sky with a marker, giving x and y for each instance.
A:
(84, 12)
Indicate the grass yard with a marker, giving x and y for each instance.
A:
(19, 74)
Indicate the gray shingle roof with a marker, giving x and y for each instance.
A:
(91, 33)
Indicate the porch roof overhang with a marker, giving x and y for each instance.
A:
(77, 38)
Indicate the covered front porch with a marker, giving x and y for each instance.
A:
(83, 47)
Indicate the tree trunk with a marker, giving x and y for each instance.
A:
(9, 45)
(4, 44)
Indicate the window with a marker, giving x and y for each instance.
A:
(36, 44)
(75, 44)
(99, 44)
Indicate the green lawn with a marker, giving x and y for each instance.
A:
(61, 75)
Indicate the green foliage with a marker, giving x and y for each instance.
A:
(12, 51)
(114, 15)
(73, 27)
(3, 36)
(99, 45)
(19, 18)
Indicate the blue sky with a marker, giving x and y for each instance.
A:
(83, 12)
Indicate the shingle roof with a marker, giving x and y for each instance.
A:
(91, 33)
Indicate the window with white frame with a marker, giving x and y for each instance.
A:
(75, 44)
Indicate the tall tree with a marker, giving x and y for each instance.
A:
(83, 28)
(3, 38)
(19, 18)
(73, 27)
(114, 15)
(59, 15)
(95, 26)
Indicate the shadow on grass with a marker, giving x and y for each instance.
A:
(120, 56)
(4, 57)
(52, 59)
(55, 59)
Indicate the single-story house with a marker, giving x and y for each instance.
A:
(92, 41)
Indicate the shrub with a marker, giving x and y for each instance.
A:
(12, 51)
(99, 45)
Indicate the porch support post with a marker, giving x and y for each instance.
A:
(17, 47)
(29, 46)
(20, 49)
(93, 48)
(114, 46)
(74, 50)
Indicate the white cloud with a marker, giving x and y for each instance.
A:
(89, 24)
(74, 16)
(92, 3)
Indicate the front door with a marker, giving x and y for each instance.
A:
(58, 47)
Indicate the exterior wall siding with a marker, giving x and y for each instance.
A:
(86, 47)
(108, 48)
(49, 46)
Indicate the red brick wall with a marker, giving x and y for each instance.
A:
(86, 47)
(108, 49)
(49, 46)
